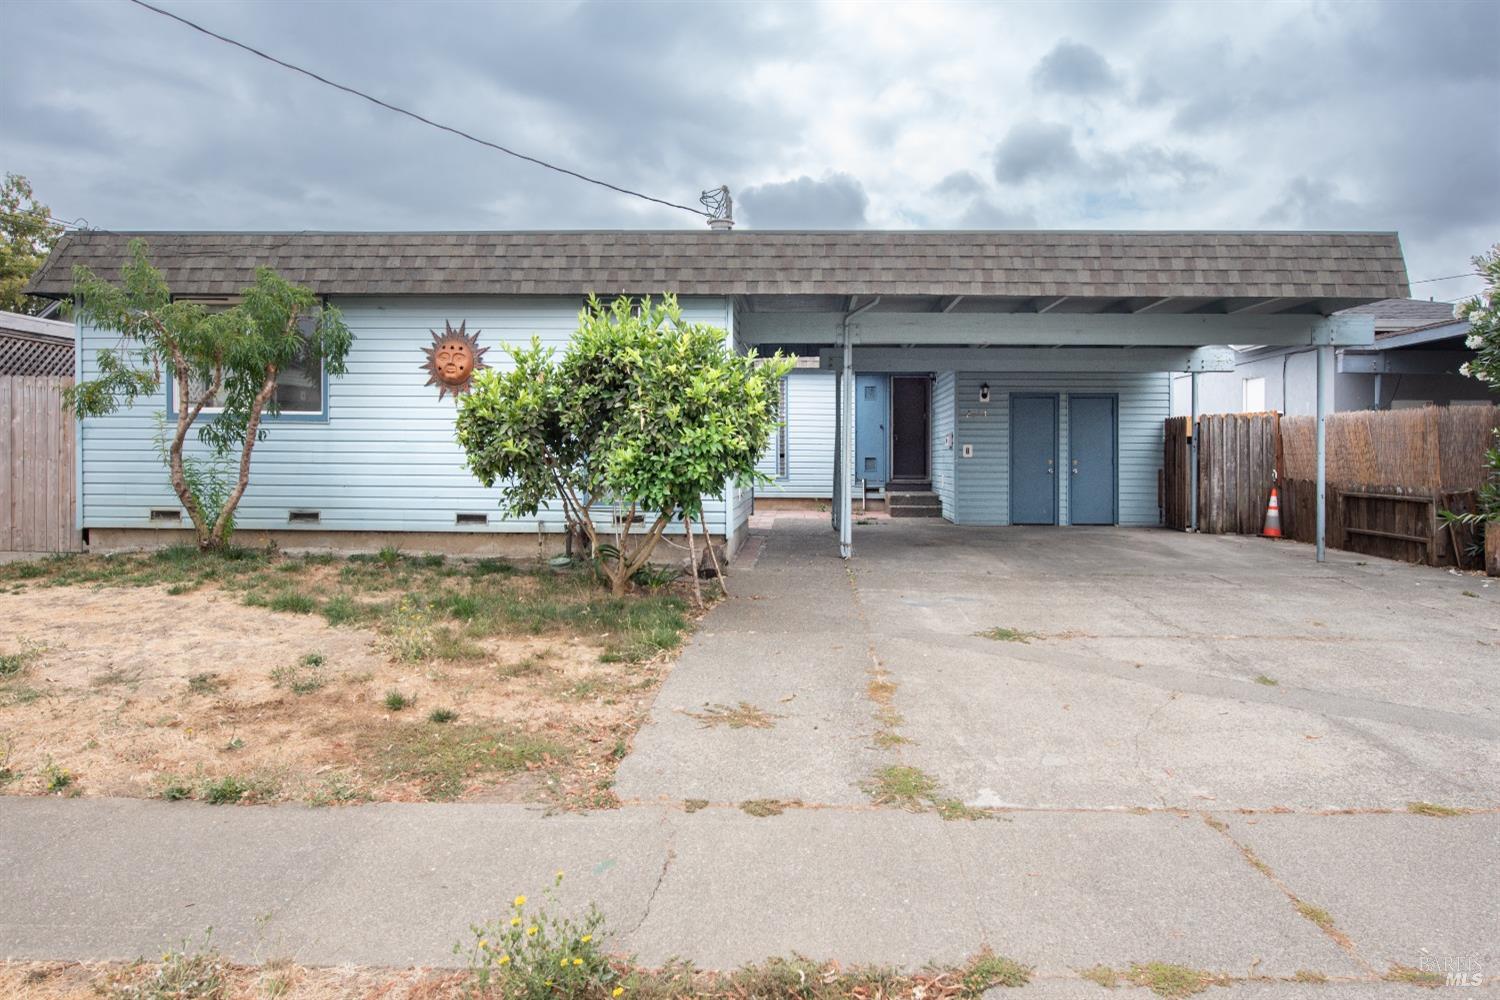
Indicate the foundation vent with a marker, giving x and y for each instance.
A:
(166, 514)
(303, 517)
(473, 519)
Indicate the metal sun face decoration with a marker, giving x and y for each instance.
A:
(453, 358)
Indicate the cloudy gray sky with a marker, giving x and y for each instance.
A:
(1268, 115)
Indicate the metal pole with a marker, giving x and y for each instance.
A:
(846, 427)
(838, 446)
(1193, 461)
(1325, 356)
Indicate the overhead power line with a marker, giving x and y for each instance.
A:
(1446, 277)
(411, 114)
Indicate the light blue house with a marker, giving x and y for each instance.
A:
(1017, 377)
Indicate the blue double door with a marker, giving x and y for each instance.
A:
(1036, 481)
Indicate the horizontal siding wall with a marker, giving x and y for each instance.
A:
(982, 483)
(384, 460)
(809, 444)
(943, 394)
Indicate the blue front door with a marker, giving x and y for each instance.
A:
(871, 410)
(1091, 460)
(1033, 459)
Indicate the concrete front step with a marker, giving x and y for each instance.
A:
(913, 504)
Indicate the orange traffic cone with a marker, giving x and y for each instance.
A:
(1273, 517)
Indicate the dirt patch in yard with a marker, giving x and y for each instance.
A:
(173, 677)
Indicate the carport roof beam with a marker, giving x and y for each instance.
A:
(1062, 329)
(1033, 359)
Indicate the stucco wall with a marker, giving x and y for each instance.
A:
(1291, 388)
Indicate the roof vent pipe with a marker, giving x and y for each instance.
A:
(720, 208)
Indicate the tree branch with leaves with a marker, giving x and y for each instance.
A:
(644, 411)
(230, 359)
(27, 235)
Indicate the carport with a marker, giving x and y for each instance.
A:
(1022, 334)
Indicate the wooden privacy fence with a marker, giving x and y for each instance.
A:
(1389, 474)
(1236, 454)
(36, 462)
(1176, 474)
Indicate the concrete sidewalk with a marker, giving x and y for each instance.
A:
(395, 885)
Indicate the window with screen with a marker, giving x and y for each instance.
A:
(299, 386)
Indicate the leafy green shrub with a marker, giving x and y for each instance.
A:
(395, 701)
(644, 407)
(535, 955)
(442, 715)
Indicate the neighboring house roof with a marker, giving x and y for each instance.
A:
(1404, 314)
(1331, 269)
(33, 346)
(1432, 333)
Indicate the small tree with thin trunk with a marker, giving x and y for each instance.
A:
(229, 359)
(644, 411)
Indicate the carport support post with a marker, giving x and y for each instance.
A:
(838, 446)
(1193, 461)
(846, 450)
(1325, 373)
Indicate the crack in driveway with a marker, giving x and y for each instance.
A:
(1150, 720)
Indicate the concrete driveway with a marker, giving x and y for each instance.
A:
(1144, 669)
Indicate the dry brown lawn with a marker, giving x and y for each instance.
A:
(170, 675)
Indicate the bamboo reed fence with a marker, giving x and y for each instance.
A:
(1435, 447)
(1389, 472)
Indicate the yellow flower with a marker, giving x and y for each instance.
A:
(559, 873)
(520, 901)
(617, 991)
(531, 931)
(586, 938)
(515, 921)
(504, 959)
(563, 962)
(484, 944)
(577, 961)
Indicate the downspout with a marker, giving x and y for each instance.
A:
(846, 433)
